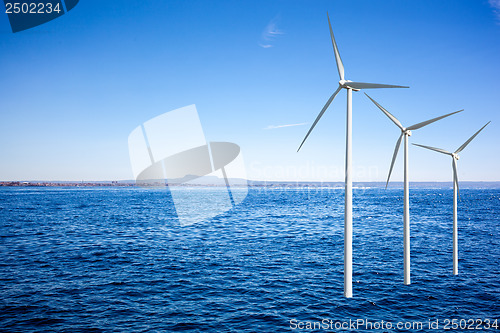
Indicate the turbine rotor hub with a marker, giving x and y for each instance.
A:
(407, 132)
(455, 156)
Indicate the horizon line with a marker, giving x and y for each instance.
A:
(249, 180)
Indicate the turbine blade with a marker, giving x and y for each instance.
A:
(470, 139)
(394, 158)
(387, 113)
(455, 174)
(439, 150)
(430, 121)
(320, 115)
(363, 85)
(340, 65)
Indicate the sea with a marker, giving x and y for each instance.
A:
(115, 259)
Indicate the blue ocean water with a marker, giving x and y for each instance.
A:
(115, 260)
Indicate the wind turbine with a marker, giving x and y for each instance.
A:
(349, 86)
(454, 159)
(406, 132)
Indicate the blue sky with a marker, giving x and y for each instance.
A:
(73, 89)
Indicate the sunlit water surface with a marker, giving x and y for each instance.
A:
(115, 259)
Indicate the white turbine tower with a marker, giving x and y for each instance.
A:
(349, 86)
(406, 132)
(454, 159)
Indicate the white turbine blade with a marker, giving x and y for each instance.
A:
(439, 150)
(320, 115)
(340, 65)
(387, 113)
(394, 158)
(363, 85)
(455, 174)
(470, 139)
(430, 121)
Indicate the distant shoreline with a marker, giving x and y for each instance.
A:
(251, 183)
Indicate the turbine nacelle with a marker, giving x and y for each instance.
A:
(345, 84)
(406, 131)
(454, 155)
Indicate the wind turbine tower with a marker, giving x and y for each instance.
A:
(405, 132)
(349, 86)
(454, 159)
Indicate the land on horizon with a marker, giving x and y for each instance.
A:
(251, 183)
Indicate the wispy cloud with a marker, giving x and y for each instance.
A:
(270, 33)
(281, 126)
(495, 4)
